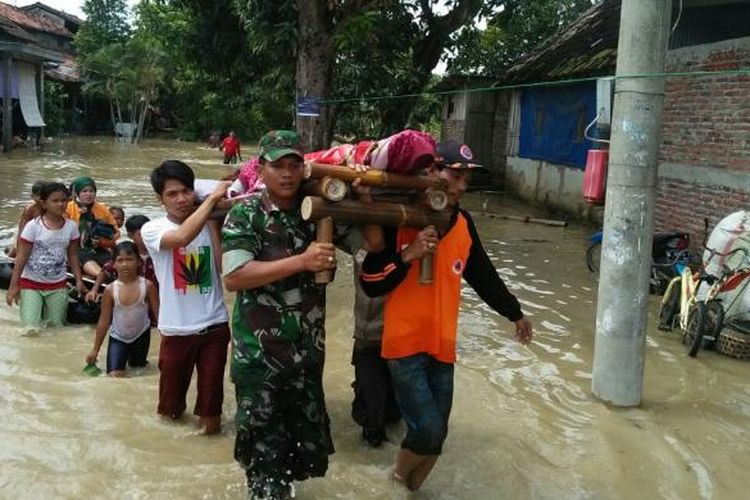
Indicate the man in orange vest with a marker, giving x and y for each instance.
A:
(420, 321)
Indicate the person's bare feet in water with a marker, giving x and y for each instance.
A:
(210, 425)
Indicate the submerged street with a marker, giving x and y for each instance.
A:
(524, 423)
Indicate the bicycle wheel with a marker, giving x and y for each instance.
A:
(670, 304)
(696, 328)
(593, 255)
(714, 322)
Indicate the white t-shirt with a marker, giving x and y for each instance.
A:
(190, 292)
(48, 260)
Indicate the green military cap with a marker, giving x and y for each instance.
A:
(279, 143)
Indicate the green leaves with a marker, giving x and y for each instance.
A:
(514, 28)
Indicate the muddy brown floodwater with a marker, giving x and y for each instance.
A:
(524, 423)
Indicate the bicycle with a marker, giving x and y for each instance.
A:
(702, 320)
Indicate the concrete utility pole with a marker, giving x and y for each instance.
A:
(629, 210)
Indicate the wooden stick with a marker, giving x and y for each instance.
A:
(324, 234)
(373, 177)
(378, 213)
(425, 270)
(521, 218)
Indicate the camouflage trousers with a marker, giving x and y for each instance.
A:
(283, 429)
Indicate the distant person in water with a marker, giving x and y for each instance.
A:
(125, 314)
(30, 212)
(96, 225)
(231, 147)
(48, 244)
(119, 215)
(214, 140)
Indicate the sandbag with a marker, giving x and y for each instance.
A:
(731, 233)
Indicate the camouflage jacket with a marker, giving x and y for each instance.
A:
(279, 327)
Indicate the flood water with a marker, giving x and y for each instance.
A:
(524, 423)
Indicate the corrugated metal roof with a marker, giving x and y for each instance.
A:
(587, 47)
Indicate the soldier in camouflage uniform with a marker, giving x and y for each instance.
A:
(278, 327)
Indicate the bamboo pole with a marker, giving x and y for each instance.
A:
(384, 214)
(378, 213)
(324, 234)
(434, 199)
(328, 187)
(373, 177)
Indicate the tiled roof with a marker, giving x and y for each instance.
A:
(69, 17)
(26, 20)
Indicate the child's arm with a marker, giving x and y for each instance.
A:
(28, 213)
(75, 266)
(92, 294)
(153, 298)
(22, 257)
(105, 320)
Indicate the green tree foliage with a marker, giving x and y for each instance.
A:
(215, 79)
(514, 29)
(205, 65)
(381, 47)
(54, 113)
(106, 22)
(125, 67)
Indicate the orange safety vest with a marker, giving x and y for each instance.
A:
(424, 318)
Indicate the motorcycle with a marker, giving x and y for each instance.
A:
(669, 256)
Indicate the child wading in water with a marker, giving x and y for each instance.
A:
(124, 313)
(32, 211)
(46, 245)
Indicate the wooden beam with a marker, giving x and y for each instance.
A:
(7, 105)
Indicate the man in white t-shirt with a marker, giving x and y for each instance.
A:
(186, 251)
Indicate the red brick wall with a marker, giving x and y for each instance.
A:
(706, 123)
(683, 206)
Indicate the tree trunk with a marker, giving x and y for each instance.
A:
(142, 116)
(112, 115)
(315, 56)
(425, 56)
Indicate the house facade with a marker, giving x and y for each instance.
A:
(704, 170)
(34, 44)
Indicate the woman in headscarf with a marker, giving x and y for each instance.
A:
(95, 223)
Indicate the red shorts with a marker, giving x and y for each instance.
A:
(207, 352)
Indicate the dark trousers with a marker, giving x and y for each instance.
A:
(374, 404)
(178, 355)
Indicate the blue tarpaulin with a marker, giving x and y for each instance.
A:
(553, 120)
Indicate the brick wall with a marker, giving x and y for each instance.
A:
(684, 205)
(707, 120)
(705, 138)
